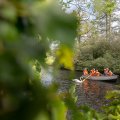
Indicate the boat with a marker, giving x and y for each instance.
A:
(100, 78)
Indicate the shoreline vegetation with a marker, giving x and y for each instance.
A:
(102, 54)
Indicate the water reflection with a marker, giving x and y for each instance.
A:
(46, 75)
(90, 93)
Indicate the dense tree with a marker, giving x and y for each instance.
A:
(103, 12)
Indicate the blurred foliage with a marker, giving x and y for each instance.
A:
(25, 27)
(65, 57)
(112, 110)
(102, 6)
(79, 112)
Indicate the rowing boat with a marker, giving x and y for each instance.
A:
(101, 78)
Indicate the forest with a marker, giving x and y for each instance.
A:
(97, 42)
(73, 34)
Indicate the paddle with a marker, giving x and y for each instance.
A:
(85, 78)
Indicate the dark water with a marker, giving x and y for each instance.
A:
(90, 93)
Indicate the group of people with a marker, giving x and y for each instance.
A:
(95, 72)
(108, 72)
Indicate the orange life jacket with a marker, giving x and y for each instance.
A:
(92, 73)
(110, 73)
(85, 72)
(97, 73)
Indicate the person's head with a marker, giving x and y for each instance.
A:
(107, 68)
(96, 70)
(93, 68)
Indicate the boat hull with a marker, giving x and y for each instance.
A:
(101, 78)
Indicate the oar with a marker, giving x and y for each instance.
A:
(86, 78)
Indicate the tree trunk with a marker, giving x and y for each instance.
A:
(79, 29)
(109, 28)
(106, 27)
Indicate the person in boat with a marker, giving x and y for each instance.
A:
(85, 71)
(110, 73)
(106, 71)
(97, 73)
(92, 72)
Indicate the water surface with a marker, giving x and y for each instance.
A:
(90, 93)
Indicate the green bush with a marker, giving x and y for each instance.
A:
(100, 63)
(112, 110)
(86, 52)
(99, 54)
(100, 48)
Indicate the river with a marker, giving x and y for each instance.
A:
(90, 93)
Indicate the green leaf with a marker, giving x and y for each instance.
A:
(8, 32)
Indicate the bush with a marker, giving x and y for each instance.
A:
(100, 48)
(99, 63)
